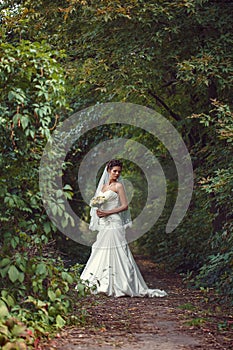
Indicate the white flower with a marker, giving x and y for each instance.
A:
(96, 202)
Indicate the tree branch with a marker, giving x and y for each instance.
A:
(168, 83)
(158, 99)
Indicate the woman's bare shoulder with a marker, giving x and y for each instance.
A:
(119, 186)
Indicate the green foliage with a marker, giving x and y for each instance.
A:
(172, 56)
(218, 185)
(13, 333)
(33, 91)
(203, 242)
(196, 322)
(217, 272)
(33, 94)
(38, 290)
(141, 52)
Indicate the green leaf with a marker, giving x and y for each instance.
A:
(11, 95)
(4, 262)
(58, 293)
(10, 301)
(3, 271)
(21, 277)
(4, 330)
(70, 279)
(51, 295)
(54, 208)
(80, 287)
(18, 330)
(59, 193)
(64, 222)
(67, 277)
(60, 322)
(41, 269)
(3, 309)
(13, 273)
(24, 121)
(14, 242)
(67, 187)
(47, 227)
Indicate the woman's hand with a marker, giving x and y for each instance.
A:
(101, 213)
(123, 200)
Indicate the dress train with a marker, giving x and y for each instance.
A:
(111, 266)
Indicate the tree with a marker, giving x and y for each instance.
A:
(174, 57)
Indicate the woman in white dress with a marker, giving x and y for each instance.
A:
(111, 266)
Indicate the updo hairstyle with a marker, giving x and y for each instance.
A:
(114, 162)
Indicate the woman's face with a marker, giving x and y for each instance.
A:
(114, 173)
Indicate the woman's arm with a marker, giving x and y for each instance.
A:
(123, 200)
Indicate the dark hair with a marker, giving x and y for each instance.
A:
(114, 162)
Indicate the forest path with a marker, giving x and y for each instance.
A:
(185, 320)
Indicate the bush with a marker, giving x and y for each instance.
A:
(38, 292)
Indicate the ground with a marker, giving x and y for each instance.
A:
(187, 319)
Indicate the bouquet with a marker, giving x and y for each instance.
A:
(97, 202)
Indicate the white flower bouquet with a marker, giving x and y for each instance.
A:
(97, 202)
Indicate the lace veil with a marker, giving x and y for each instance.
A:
(125, 215)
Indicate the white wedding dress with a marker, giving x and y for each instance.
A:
(111, 266)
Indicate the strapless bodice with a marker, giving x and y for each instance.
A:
(112, 200)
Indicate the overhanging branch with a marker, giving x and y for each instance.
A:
(158, 99)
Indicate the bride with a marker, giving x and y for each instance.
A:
(111, 266)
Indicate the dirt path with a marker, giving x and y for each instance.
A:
(184, 320)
